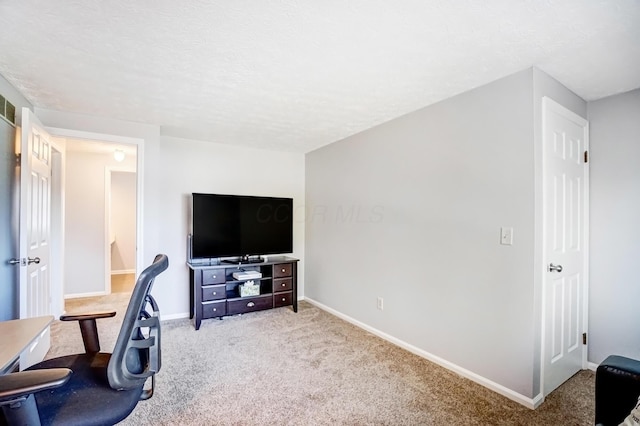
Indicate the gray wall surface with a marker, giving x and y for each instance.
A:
(411, 211)
(9, 208)
(614, 317)
(9, 247)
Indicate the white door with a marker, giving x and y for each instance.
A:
(35, 231)
(565, 197)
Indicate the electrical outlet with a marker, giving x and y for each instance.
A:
(380, 303)
(506, 236)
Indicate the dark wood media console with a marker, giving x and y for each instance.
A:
(215, 293)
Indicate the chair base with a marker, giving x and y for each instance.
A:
(24, 413)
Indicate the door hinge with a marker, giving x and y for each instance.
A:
(584, 338)
(586, 156)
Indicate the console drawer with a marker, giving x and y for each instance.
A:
(281, 270)
(214, 309)
(282, 284)
(240, 306)
(213, 276)
(213, 292)
(282, 299)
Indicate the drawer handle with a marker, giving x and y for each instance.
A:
(284, 270)
(250, 305)
(213, 276)
(215, 309)
(284, 285)
(214, 293)
(284, 300)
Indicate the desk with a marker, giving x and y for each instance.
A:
(17, 335)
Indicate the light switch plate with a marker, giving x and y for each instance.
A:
(506, 236)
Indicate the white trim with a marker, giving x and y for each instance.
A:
(587, 245)
(107, 230)
(101, 137)
(531, 403)
(592, 366)
(540, 268)
(123, 271)
(79, 295)
(551, 105)
(554, 106)
(58, 182)
(175, 316)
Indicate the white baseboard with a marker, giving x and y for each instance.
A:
(592, 366)
(173, 316)
(123, 271)
(531, 403)
(79, 295)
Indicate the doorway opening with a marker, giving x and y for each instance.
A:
(120, 228)
(88, 252)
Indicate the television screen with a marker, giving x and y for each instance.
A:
(238, 225)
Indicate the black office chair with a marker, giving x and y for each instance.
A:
(93, 388)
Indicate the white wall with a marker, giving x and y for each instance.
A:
(434, 187)
(123, 221)
(85, 222)
(614, 317)
(180, 167)
(192, 166)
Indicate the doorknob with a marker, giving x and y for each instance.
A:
(13, 261)
(556, 268)
(36, 260)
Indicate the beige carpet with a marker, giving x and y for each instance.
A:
(311, 368)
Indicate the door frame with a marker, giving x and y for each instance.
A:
(541, 268)
(58, 160)
(120, 140)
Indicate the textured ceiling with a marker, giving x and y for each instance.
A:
(296, 75)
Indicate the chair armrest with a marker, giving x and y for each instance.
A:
(88, 328)
(84, 317)
(18, 385)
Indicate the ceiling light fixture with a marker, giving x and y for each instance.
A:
(118, 155)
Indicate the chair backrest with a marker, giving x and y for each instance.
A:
(136, 355)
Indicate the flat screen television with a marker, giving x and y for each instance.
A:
(224, 226)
